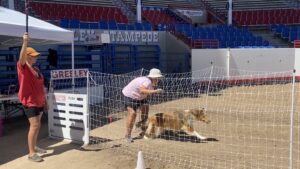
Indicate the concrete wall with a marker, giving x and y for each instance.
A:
(244, 61)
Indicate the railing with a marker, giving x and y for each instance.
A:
(130, 9)
(182, 37)
(205, 43)
(185, 18)
(218, 14)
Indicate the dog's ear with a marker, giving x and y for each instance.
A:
(196, 112)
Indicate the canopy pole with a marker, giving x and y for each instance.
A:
(73, 68)
(26, 11)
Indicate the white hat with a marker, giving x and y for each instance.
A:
(155, 73)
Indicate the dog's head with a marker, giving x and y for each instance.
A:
(200, 115)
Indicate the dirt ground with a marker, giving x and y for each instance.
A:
(250, 128)
(62, 154)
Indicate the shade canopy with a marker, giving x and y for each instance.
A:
(13, 26)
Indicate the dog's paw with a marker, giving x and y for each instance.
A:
(203, 138)
(145, 137)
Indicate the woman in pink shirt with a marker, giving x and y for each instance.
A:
(31, 95)
(136, 93)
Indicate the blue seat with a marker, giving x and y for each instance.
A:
(94, 25)
(244, 43)
(130, 27)
(112, 25)
(122, 26)
(138, 26)
(237, 43)
(187, 27)
(74, 23)
(230, 44)
(64, 23)
(266, 43)
(187, 33)
(292, 37)
(203, 35)
(279, 29)
(222, 44)
(103, 25)
(84, 25)
(251, 42)
(285, 33)
(273, 27)
(147, 26)
(179, 28)
(195, 35)
(258, 43)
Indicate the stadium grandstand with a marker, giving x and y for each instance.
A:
(119, 36)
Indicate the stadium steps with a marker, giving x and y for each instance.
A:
(268, 35)
(295, 3)
(182, 16)
(162, 3)
(220, 16)
(126, 10)
(250, 4)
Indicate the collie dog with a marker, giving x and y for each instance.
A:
(176, 120)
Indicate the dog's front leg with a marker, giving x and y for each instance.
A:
(195, 133)
(150, 131)
(158, 131)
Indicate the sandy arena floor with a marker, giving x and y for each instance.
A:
(249, 129)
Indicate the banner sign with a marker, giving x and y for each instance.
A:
(133, 36)
(116, 36)
(191, 13)
(68, 73)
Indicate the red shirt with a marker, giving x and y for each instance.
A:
(31, 92)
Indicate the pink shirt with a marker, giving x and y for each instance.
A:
(132, 90)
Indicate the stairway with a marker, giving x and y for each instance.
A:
(249, 4)
(268, 35)
(126, 10)
(216, 13)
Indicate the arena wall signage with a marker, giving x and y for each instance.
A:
(68, 73)
(117, 36)
(191, 13)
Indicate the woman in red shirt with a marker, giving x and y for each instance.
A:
(31, 95)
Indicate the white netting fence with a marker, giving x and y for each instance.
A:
(250, 115)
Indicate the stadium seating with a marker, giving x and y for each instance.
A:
(156, 15)
(291, 33)
(267, 17)
(228, 36)
(110, 25)
(56, 11)
(250, 4)
(161, 3)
